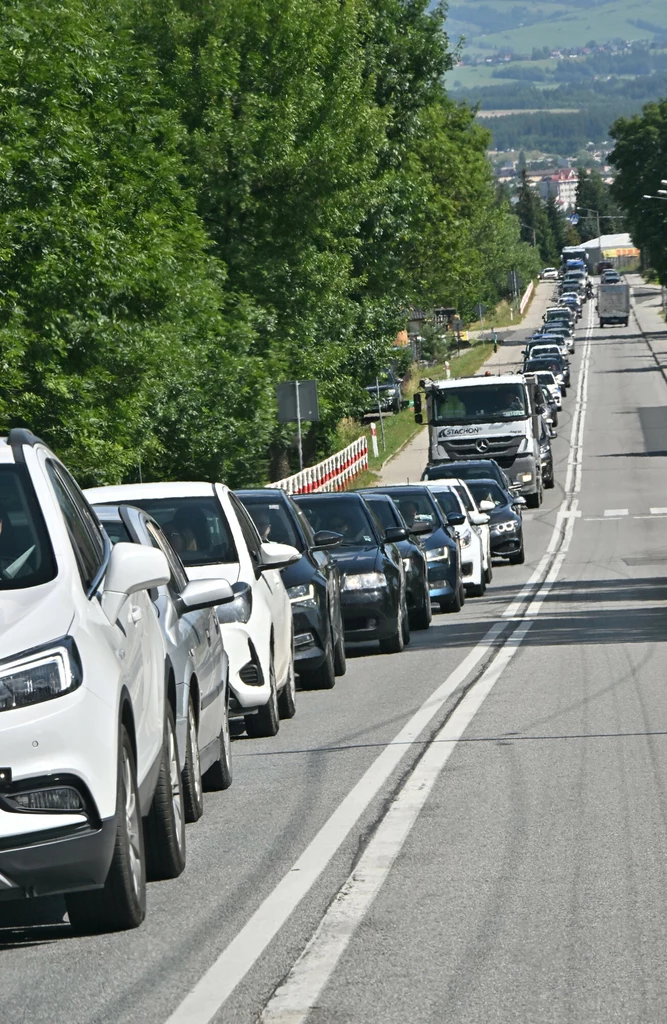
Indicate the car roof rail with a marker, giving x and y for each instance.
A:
(17, 438)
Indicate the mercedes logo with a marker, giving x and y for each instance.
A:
(482, 445)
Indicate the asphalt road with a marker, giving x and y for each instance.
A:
(511, 871)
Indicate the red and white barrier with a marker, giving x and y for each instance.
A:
(332, 474)
(525, 298)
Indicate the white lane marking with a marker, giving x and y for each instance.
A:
(658, 511)
(231, 966)
(608, 512)
(216, 985)
(296, 997)
(293, 1001)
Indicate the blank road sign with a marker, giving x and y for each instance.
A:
(287, 405)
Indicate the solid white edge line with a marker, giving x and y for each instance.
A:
(296, 997)
(216, 985)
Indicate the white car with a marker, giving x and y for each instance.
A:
(549, 274)
(87, 734)
(547, 380)
(476, 568)
(198, 663)
(215, 537)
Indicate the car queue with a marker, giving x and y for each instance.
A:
(143, 623)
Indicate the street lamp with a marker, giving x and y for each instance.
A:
(661, 198)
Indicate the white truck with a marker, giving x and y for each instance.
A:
(614, 304)
(487, 418)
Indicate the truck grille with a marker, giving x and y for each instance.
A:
(502, 448)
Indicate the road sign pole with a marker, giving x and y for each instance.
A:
(377, 391)
(298, 426)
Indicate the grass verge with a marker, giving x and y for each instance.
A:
(401, 428)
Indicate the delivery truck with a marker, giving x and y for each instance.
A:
(614, 304)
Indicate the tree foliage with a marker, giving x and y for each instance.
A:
(200, 199)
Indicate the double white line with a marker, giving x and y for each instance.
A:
(294, 999)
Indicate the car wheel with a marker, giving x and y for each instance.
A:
(340, 659)
(477, 589)
(164, 828)
(121, 904)
(549, 483)
(488, 572)
(323, 677)
(453, 604)
(519, 557)
(287, 696)
(193, 792)
(422, 617)
(563, 391)
(534, 500)
(394, 644)
(220, 774)
(266, 720)
(406, 626)
(554, 417)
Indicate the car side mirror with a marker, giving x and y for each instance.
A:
(326, 539)
(456, 518)
(486, 506)
(132, 567)
(552, 432)
(238, 610)
(277, 556)
(394, 534)
(519, 501)
(203, 594)
(479, 518)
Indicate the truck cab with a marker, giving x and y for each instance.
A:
(487, 417)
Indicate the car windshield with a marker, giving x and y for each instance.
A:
(480, 404)
(447, 500)
(272, 520)
(196, 527)
(541, 364)
(341, 515)
(416, 507)
(546, 379)
(487, 490)
(26, 555)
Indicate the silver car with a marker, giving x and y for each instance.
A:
(197, 664)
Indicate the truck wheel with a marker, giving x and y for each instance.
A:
(533, 500)
(121, 903)
(164, 828)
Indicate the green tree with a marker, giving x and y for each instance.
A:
(593, 198)
(535, 226)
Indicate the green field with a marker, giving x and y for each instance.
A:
(553, 24)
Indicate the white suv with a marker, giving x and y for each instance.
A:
(87, 737)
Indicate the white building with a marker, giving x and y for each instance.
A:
(561, 186)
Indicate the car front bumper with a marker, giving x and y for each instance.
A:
(55, 860)
(368, 615)
(309, 636)
(442, 579)
(504, 544)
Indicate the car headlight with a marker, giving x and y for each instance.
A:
(391, 392)
(509, 526)
(437, 555)
(303, 594)
(525, 478)
(466, 539)
(40, 674)
(364, 581)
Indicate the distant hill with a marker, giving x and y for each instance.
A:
(491, 25)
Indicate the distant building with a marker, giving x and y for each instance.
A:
(561, 186)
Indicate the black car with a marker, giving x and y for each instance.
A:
(385, 392)
(553, 364)
(312, 584)
(505, 523)
(413, 554)
(418, 508)
(373, 596)
(546, 456)
(471, 469)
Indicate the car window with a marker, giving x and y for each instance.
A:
(248, 529)
(447, 500)
(416, 507)
(196, 528)
(342, 515)
(179, 579)
(26, 555)
(272, 520)
(117, 532)
(486, 490)
(383, 512)
(465, 497)
(85, 533)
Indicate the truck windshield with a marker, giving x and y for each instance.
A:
(480, 404)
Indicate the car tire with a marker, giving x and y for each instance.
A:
(287, 696)
(193, 790)
(554, 417)
(266, 720)
(488, 572)
(406, 626)
(477, 589)
(220, 774)
(534, 500)
(164, 827)
(324, 676)
(453, 604)
(548, 484)
(394, 644)
(422, 617)
(121, 903)
(340, 658)
(519, 557)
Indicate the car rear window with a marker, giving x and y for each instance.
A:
(196, 528)
(272, 520)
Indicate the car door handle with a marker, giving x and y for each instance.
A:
(135, 614)
(208, 637)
